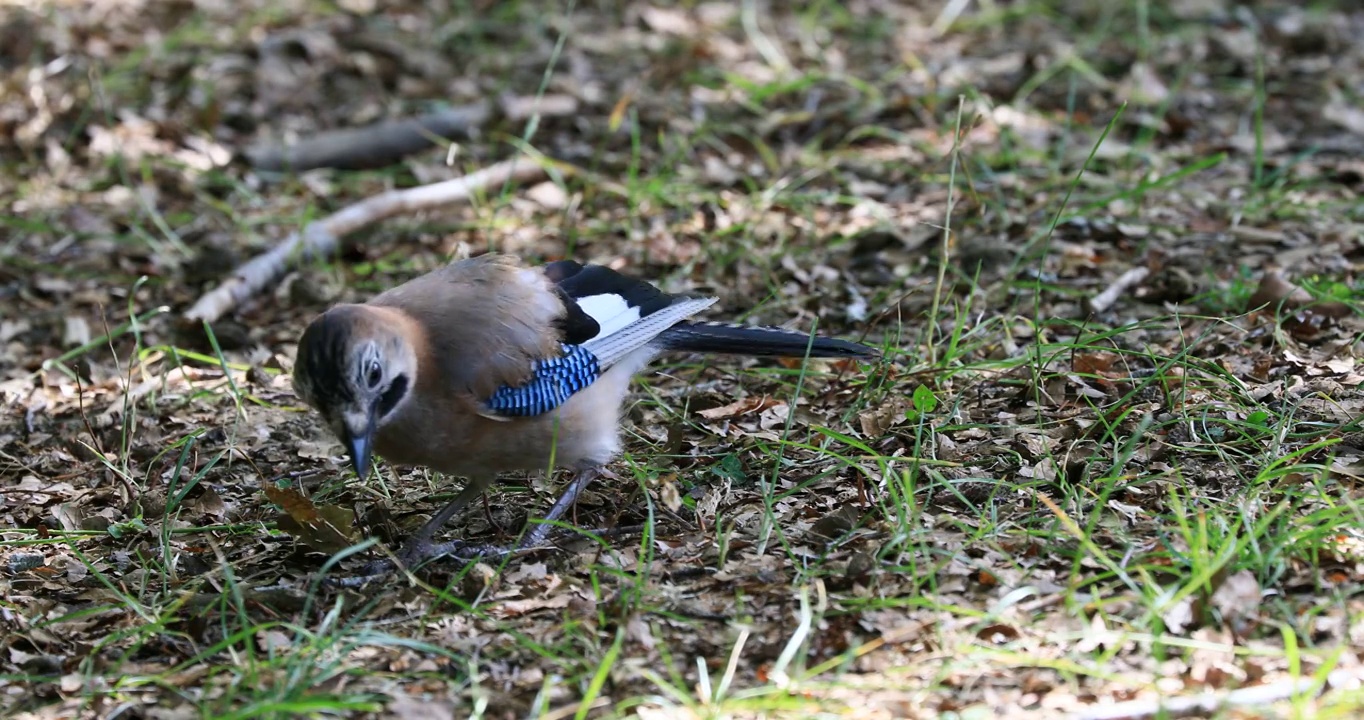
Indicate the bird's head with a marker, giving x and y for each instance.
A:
(356, 367)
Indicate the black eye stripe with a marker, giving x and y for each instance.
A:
(395, 392)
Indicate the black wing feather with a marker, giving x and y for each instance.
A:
(576, 281)
(576, 325)
(730, 339)
(588, 280)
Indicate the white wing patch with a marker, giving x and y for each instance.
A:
(611, 312)
(609, 349)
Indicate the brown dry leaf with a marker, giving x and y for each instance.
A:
(1179, 617)
(876, 421)
(406, 707)
(549, 195)
(514, 608)
(1214, 664)
(742, 406)
(1096, 363)
(76, 331)
(300, 508)
(664, 246)
(637, 629)
(359, 7)
(1143, 86)
(1340, 365)
(1316, 366)
(1344, 113)
(35, 491)
(667, 491)
(1033, 130)
(69, 516)
(668, 21)
(1097, 635)
(1237, 600)
(209, 503)
(133, 138)
(328, 529)
(1351, 467)
(998, 634)
(529, 572)
(1276, 291)
(838, 522)
(774, 416)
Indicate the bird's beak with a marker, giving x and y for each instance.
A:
(361, 446)
(359, 455)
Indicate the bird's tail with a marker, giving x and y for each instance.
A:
(710, 337)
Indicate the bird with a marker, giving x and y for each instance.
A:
(489, 365)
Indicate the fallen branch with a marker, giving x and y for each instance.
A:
(1208, 703)
(372, 146)
(389, 141)
(320, 237)
(1125, 282)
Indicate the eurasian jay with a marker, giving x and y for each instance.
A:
(487, 366)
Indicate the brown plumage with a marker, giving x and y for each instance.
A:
(487, 366)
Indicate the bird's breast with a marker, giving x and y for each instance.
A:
(450, 436)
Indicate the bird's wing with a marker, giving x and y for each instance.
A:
(521, 341)
(607, 316)
(612, 315)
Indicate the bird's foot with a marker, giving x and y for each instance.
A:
(421, 550)
(416, 552)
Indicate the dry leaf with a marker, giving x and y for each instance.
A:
(1275, 290)
(743, 406)
(667, 20)
(1237, 600)
(667, 491)
(327, 529)
(549, 195)
(513, 608)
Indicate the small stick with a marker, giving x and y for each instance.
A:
(321, 237)
(1207, 703)
(372, 146)
(1125, 282)
(388, 141)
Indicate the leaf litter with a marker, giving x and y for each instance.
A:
(1047, 505)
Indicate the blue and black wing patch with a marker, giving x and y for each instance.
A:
(552, 383)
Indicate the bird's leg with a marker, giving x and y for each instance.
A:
(420, 547)
(421, 540)
(536, 535)
(488, 514)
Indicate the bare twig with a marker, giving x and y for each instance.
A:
(388, 141)
(372, 146)
(1125, 282)
(321, 237)
(1207, 703)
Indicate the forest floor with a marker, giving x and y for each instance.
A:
(1110, 465)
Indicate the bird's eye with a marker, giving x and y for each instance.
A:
(373, 375)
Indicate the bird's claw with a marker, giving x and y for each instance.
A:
(419, 552)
